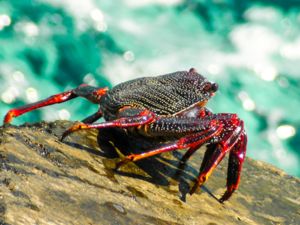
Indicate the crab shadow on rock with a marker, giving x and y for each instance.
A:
(164, 169)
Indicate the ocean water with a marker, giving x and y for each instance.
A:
(250, 48)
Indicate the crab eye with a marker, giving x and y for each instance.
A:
(214, 87)
(210, 87)
(207, 87)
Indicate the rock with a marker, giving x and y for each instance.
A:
(46, 181)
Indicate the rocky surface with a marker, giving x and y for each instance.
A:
(46, 181)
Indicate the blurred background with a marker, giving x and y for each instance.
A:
(250, 48)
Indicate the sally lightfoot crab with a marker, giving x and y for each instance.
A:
(170, 108)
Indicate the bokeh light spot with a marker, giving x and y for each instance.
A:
(285, 131)
(64, 114)
(129, 56)
(5, 21)
(31, 94)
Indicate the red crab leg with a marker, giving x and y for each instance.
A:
(142, 118)
(189, 141)
(58, 98)
(189, 153)
(236, 159)
(217, 155)
(84, 90)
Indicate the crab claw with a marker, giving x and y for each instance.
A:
(213, 155)
(236, 159)
(75, 127)
(194, 189)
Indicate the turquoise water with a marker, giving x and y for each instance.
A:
(251, 48)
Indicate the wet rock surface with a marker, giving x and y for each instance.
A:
(46, 181)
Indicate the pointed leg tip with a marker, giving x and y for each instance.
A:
(181, 166)
(121, 163)
(8, 117)
(5, 122)
(194, 189)
(124, 161)
(62, 138)
(226, 196)
(183, 160)
(221, 200)
(64, 135)
(72, 129)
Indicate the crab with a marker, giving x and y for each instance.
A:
(170, 107)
